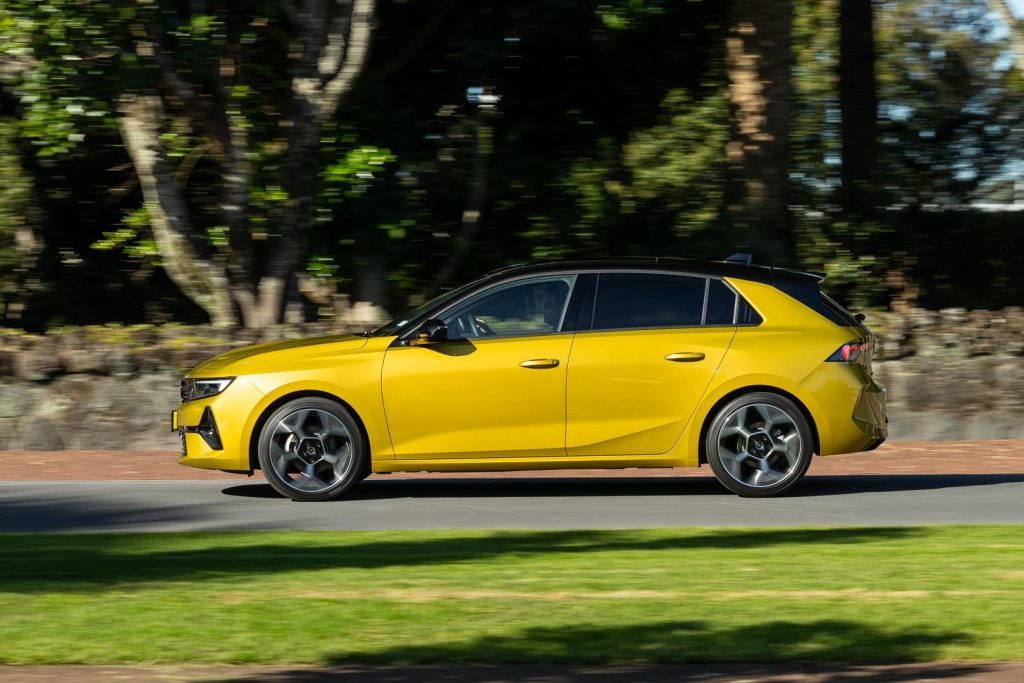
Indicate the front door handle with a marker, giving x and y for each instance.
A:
(540, 363)
(685, 357)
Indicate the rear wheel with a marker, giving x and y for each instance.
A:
(311, 449)
(759, 445)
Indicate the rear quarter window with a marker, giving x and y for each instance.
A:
(811, 296)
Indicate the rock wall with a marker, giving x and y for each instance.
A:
(107, 388)
(951, 374)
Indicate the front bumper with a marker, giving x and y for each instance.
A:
(206, 429)
(212, 431)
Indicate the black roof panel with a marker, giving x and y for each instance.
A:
(740, 271)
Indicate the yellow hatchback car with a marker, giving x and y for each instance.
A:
(597, 364)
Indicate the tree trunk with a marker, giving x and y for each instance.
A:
(473, 213)
(759, 61)
(858, 104)
(19, 214)
(334, 45)
(334, 52)
(199, 277)
(236, 177)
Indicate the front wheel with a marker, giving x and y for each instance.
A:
(759, 445)
(311, 449)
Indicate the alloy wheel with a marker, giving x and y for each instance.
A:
(759, 445)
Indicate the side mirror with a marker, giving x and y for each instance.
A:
(859, 317)
(432, 331)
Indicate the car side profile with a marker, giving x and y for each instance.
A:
(591, 364)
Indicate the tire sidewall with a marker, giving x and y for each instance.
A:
(806, 442)
(359, 449)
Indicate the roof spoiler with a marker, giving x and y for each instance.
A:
(816, 278)
(746, 259)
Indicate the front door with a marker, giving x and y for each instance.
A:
(635, 379)
(496, 388)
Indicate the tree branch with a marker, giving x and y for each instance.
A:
(357, 50)
(203, 117)
(199, 278)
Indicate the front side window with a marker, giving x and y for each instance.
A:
(637, 300)
(534, 306)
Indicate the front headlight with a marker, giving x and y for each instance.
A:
(195, 389)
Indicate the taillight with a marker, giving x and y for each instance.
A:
(852, 352)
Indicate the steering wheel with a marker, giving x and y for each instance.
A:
(483, 328)
(473, 326)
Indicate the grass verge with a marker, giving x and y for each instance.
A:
(826, 594)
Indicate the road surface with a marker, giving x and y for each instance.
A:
(513, 501)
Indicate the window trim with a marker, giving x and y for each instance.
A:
(588, 325)
(585, 321)
(704, 308)
(574, 276)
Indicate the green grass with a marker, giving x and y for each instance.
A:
(837, 594)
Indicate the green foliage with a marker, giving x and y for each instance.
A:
(948, 97)
(678, 165)
(71, 59)
(605, 135)
(621, 15)
(353, 174)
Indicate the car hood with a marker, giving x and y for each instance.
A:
(294, 348)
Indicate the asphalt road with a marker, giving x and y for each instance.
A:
(513, 502)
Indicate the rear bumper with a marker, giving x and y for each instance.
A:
(869, 413)
(851, 416)
(866, 428)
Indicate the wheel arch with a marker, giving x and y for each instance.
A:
(254, 434)
(753, 389)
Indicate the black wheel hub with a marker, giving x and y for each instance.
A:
(311, 451)
(759, 445)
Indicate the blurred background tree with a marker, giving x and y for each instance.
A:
(245, 162)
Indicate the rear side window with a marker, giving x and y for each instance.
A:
(809, 295)
(721, 304)
(841, 312)
(637, 300)
(746, 315)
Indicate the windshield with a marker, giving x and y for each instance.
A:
(396, 325)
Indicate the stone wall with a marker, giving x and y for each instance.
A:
(951, 374)
(107, 388)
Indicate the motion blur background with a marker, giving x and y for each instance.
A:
(325, 164)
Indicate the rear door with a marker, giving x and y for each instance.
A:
(636, 376)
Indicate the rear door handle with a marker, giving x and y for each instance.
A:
(685, 357)
(539, 363)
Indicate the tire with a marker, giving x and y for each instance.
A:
(311, 449)
(759, 445)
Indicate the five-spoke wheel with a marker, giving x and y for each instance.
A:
(759, 445)
(311, 449)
